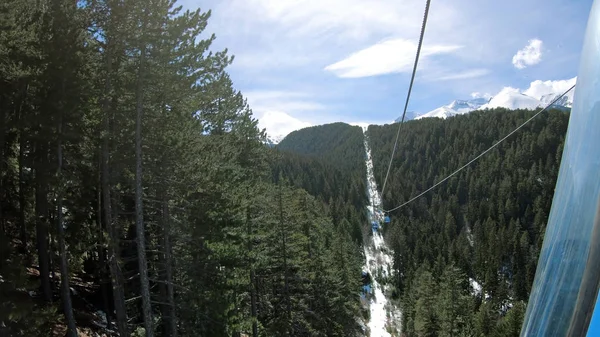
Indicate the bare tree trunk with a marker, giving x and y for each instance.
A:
(21, 128)
(285, 267)
(22, 226)
(113, 244)
(139, 206)
(252, 276)
(169, 315)
(64, 267)
(51, 249)
(2, 159)
(41, 225)
(3, 237)
(102, 271)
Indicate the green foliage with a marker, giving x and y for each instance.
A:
(338, 143)
(328, 162)
(486, 223)
(213, 211)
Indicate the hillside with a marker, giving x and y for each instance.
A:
(471, 245)
(338, 143)
(328, 162)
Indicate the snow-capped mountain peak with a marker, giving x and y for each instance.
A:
(457, 107)
(512, 98)
(539, 94)
(467, 104)
(565, 101)
(273, 140)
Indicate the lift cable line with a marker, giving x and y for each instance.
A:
(412, 80)
(481, 154)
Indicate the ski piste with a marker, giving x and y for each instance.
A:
(385, 317)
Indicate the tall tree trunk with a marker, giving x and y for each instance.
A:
(113, 235)
(102, 271)
(21, 126)
(252, 276)
(286, 291)
(3, 238)
(22, 226)
(3, 109)
(139, 206)
(169, 314)
(64, 267)
(41, 225)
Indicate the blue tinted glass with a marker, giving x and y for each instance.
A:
(594, 329)
(567, 239)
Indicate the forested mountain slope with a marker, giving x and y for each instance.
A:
(340, 144)
(486, 223)
(328, 162)
(136, 192)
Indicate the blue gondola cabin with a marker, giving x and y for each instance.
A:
(375, 225)
(386, 219)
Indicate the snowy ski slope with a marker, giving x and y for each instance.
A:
(385, 316)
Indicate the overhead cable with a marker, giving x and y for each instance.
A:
(412, 80)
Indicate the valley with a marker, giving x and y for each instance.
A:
(385, 316)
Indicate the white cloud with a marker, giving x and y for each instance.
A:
(279, 123)
(296, 33)
(538, 89)
(342, 19)
(528, 56)
(532, 97)
(464, 75)
(508, 91)
(387, 56)
(286, 44)
(275, 110)
(289, 101)
(480, 95)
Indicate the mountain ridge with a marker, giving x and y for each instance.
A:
(456, 107)
(539, 94)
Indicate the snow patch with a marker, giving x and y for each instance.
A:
(477, 289)
(475, 286)
(103, 322)
(470, 236)
(384, 314)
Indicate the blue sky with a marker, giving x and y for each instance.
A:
(308, 62)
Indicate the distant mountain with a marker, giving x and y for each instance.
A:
(328, 161)
(274, 140)
(565, 101)
(410, 115)
(511, 98)
(457, 107)
(547, 91)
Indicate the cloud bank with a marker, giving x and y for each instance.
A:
(538, 89)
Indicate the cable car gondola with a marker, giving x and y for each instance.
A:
(375, 225)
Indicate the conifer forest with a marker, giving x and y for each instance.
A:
(139, 197)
